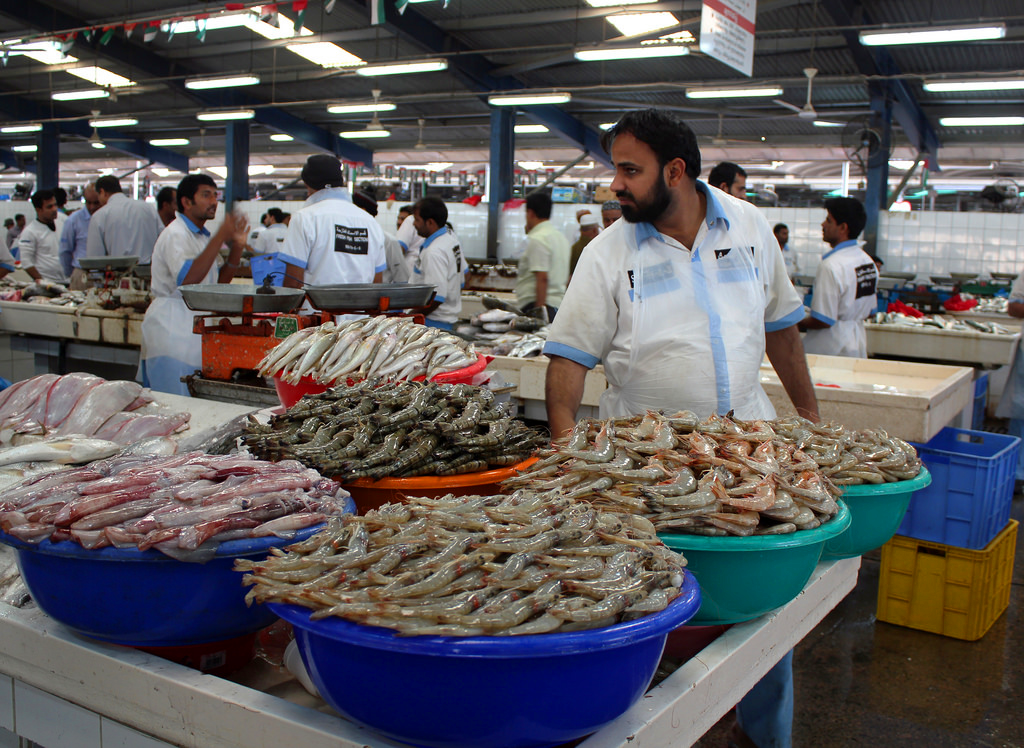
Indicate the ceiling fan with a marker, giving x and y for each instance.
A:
(720, 140)
(420, 145)
(807, 111)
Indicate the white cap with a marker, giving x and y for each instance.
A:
(589, 219)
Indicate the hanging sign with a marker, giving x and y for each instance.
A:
(727, 32)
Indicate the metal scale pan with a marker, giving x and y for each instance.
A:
(223, 298)
(347, 297)
(115, 264)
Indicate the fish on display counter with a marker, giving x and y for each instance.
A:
(940, 322)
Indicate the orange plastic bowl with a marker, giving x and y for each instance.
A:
(215, 658)
(370, 494)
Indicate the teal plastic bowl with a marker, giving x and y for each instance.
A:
(876, 511)
(743, 578)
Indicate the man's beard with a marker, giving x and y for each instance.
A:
(646, 212)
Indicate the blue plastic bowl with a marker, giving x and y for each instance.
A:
(488, 691)
(876, 511)
(743, 578)
(144, 598)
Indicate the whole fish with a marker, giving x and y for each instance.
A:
(64, 450)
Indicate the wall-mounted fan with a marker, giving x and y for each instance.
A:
(1004, 194)
(862, 143)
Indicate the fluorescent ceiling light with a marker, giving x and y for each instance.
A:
(284, 29)
(220, 171)
(258, 169)
(607, 125)
(226, 115)
(980, 121)
(679, 36)
(84, 93)
(731, 93)
(531, 165)
(904, 164)
(24, 148)
(367, 133)
(161, 171)
(438, 165)
(113, 122)
(22, 128)
(530, 129)
(48, 53)
(934, 35)
(975, 85)
(326, 54)
(632, 53)
(613, 3)
(101, 77)
(397, 68)
(280, 137)
(169, 141)
(635, 24)
(366, 106)
(230, 81)
(223, 21)
(98, 146)
(826, 123)
(529, 99)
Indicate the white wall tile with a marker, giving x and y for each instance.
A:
(51, 721)
(116, 735)
(6, 702)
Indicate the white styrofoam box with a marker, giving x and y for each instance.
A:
(6, 702)
(116, 735)
(52, 721)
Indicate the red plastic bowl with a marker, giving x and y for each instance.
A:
(215, 658)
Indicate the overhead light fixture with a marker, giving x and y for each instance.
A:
(635, 24)
(632, 53)
(826, 123)
(613, 3)
(97, 145)
(285, 28)
(225, 115)
(607, 125)
(24, 148)
(220, 171)
(221, 21)
(48, 53)
(530, 129)
(101, 77)
(438, 165)
(230, 81)
(169, 141)
(904, 164)
(369, 132)
(260, 169)
(36, 127)
(113, 122)
(280, 137)
(398, 68)
(366, 106)
(981, 121)
(84, 93)
(934, 35)
(939, 86)
(732, 93)
(532, 165)
(161, 171)
(326, 54)
(528, 99)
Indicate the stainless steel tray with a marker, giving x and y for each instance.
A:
(102, 263)
(901, 276)
(348, 296)
(1003, 276)
(143, 271)
(224, 298)
(963, 276)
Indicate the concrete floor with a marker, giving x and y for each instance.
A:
(861, 682)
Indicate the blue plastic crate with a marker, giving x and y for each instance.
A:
(980, 398)
(264, 265)
(968, 502)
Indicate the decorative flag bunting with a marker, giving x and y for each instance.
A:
(377, 14)
(88, 33)
(66, 43)
(268, 14)
(151, 31)
(108, 34)
(329, 6)
(201, 27)
(129, 29)
(400, 6)
(299, 8)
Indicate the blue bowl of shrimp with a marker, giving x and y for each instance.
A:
(490, 691)
(742, 578)
(144, 598)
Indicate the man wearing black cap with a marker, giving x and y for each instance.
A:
(330, 240)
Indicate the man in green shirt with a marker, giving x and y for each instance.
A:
(589, 228)
(544, 265)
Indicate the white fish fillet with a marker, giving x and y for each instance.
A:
(65, 394)
(99, 404)
(65, 450)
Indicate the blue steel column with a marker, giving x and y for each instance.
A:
(499, 189)
(237, 151)
(48, 157)
(877, 192)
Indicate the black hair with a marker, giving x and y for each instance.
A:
(540, 203)
(19, 215)
(61, 195)
(726, 172)
(364, 201)
(109, 183)
(8, 222)
(667, 135)
(189, 186)
(264, 216)
(164, 196)
(407, 209)
(39, 197)
(432, 208)
(847, 210)
(276, 213)
(778, 227)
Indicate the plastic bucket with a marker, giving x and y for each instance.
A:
(495, 691)
(370, 494)
(876, 511)
(215, 658)
(743, 578)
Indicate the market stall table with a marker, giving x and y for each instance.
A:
(948, 346)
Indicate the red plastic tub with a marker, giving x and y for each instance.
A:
(289, 394)
(215, 658)
(370, 494)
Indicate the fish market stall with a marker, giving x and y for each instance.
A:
(472, 301)
(934, 344)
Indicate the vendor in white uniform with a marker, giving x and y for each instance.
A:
(680, 301)
(844, 286)
(330, 240)
(411, 241)
(1011, 404)
(185, 254)
(271, 238)
(39, 243)
(439, 263)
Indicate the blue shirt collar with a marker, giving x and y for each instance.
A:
(714, 212)
(440, 232)
(842, 245)
(192, 227)
(329, 193)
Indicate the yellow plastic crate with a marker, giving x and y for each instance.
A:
(944, 589)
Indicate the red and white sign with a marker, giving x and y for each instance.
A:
(727, 32)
